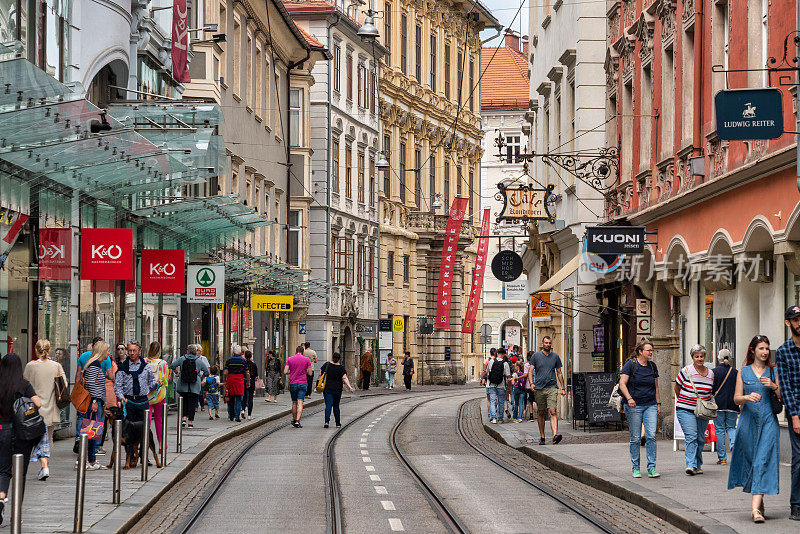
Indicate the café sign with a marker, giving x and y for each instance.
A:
(749, 114)
(524, 203)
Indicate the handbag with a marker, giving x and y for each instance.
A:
(323, 376)
(80, 397)
(260, 383)
(92, 428)
(62, 392)
(705, 408)
(615, 400)
(777, 405)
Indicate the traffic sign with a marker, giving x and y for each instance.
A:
(486, 329)
(540, 306)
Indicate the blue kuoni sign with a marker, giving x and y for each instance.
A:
(749, 114)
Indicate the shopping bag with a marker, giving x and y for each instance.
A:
(260, 383)
(711, 433)
(92, 428)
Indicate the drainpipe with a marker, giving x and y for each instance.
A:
(697, 126)
(328, 161)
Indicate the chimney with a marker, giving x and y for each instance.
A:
(512, 40)
(525, 45)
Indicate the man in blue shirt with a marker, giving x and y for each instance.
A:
(787, 359)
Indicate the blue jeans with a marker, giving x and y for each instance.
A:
(725, 423)
(332, 402)
(794, 438)
(497, 402)
(389, 379)
(247, 401)
(694, 431)
(636, 416)
(234, 406)
(519, 402)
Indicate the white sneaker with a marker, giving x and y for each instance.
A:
(44, 473)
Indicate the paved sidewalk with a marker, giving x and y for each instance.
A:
(600, 458)
(49, 506)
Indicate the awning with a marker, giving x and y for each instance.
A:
(570, 267)
(264, 273)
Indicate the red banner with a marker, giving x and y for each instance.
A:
(107, 254)
(449, 253)
(163, 271)
(477, 276)
(234, 319)
(55, 253)
(180, 42)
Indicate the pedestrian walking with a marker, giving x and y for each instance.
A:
(273, 376)
(250, 389)
(519, 379)
(497, 372)
(727, 410)
(92, 373)
(111, 409)
(531, 376)
(367, 368)
(692, 381)
(311, 354)
(788, 364)
(298, 367)
(211, 391)
(188, 382)
(133, 383)
(638, 383)
(754, 460)
(158, 397)
(12, 387)
(408, 370)
(42, 374)
(335, 380)
(235, 375)
(82, 359)
(548, 383)
(201, 399)
(391, 370)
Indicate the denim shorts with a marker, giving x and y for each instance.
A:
(297, 392)
(212, 399)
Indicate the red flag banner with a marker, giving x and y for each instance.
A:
(449, 253)
(55, 253)
(477, 276)
(180, 42)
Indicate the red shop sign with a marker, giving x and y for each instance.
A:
(55, 253)
(107, 254)
(163, 271)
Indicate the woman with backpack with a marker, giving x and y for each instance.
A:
(638, 384)
(158, 397)
(188, 384)
(12, 387)
(274, 369)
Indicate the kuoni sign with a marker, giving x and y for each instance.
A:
(276, 303)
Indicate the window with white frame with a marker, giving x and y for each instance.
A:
(513, 147)
(295, 237)
(296, 117)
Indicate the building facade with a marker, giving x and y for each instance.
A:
(504, 102)
(344, 210)
(429, 107)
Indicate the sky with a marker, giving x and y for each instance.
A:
(505, 10)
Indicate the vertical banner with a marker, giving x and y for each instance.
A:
(180, 42)
(477, 275)
(449, 253)
(55, 253)
(11, 223)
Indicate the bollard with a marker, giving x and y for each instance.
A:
(145, 453)
(80, 486)
(179, 448)
(164, 435)
(17, 481)
(117, 493)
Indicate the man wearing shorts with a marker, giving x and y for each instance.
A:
(547, 367)
(298, 367)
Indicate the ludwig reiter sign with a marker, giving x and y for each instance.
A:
(749, 114)
(615, 239)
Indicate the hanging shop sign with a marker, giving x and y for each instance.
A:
(180, 41)
(163, 271)
(506, 266)
(477, 275)
(398, 324)
(205, 284)
(749, 114)
(107, 254)
(517, 290)
(385, 325)
(449, 253)
(274, 303)
(540, 306)
(55, 253)
(524, 203)
(615, 239)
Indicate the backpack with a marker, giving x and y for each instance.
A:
(28, 423)
(212, 386)
(496, 372)
(189, 370)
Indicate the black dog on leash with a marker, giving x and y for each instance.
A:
(132, 441)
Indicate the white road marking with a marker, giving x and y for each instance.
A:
(364, 453)
(370, 426)
(388, 505)
(375, 478)
(380, 490)
(446, 457)
(363, 445)
(370, 467)
(395, 524)
(363, 440)
(366, 459)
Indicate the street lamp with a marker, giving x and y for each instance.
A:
(383, 163)
(368, 31)
(437, 203)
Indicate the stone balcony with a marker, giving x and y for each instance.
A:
(429, 225)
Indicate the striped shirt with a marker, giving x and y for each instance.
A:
(94, 381)
(687, 399)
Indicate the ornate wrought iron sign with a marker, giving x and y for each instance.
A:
(524, 203)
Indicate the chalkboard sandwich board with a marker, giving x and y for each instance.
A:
(579, 396)
(598, 390)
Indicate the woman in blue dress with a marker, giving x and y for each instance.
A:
(754, 463)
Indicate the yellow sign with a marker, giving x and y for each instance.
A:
(275, 303)
(540, 306)
(220, 306)
(398, 324)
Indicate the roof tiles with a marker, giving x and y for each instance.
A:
(504, 83)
